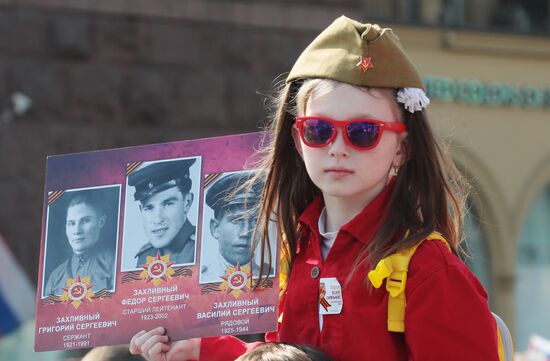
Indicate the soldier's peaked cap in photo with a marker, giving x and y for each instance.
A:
(160, 176)
(226, 191)
(359, 54)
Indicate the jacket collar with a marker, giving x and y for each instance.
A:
(362, 227)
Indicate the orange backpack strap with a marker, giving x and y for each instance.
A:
(284, 267)
(284, 273)
(393, 269)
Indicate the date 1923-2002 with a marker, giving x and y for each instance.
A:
(154, 316)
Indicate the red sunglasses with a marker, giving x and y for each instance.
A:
(361, 134)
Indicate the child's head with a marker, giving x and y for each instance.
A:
(353, 70)
(353, 167)
(274, 351)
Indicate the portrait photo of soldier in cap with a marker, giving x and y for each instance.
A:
(229, 218)
(161, 212)
(81, 239)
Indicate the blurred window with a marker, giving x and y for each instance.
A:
(533, 273)
(479, 260)
(523, 16)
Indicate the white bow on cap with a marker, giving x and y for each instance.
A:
(414, 99)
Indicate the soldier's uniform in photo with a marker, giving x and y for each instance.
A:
(156, 178)
(223, 194)
(98, 265)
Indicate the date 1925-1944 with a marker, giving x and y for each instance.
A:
(234, 330)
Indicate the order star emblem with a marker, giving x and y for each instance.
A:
(365, 64)
(156, 269)
(236, 280)
(77, 291)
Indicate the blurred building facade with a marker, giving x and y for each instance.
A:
(115, 73)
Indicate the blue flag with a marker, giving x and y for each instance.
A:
(17, 295)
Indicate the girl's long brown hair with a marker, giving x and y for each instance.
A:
(429, 193)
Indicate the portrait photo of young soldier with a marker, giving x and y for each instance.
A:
(161, 212)
(81, 239)
(229, 218)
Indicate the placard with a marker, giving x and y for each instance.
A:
(155, 235)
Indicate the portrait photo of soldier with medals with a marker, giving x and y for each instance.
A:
(229, 218)
(81, 241)
(161, 212)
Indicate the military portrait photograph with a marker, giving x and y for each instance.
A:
(161, 212)
(81, 239)
(228, 222)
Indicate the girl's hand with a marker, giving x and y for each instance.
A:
(154, 345)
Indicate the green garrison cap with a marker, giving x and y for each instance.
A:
(359, 54)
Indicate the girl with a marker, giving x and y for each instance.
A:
(355, 174)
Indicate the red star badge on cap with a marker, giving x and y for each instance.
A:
(365, 64)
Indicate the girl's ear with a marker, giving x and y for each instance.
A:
(402, 153)
(297, 141)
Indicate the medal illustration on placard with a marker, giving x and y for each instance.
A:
(77, 291)
(236, 280)
(330, 296)
(157, 269)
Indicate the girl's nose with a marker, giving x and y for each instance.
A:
(339, 147)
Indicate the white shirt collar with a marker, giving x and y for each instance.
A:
(322, 226)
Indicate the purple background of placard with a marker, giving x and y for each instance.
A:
(109, 166)
(106, 167)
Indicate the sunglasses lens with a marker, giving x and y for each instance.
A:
(363, 134)
(317, 132)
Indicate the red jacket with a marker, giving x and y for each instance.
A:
(447, 316)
